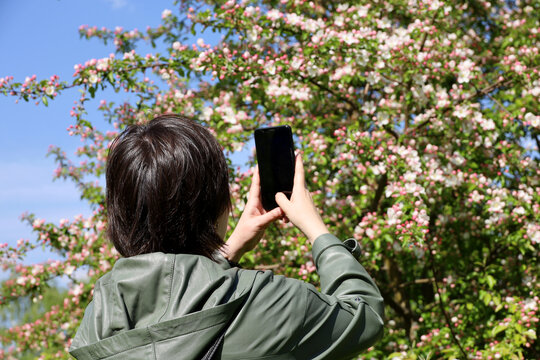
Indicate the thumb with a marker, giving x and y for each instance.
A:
(283, 202)
(270, 216)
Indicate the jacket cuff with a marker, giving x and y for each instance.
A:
(352, 245)
(326, 241)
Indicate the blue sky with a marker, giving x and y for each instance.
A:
(41, 37)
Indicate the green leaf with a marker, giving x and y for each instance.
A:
(531, 334)
(497, 329)
(45, 101)
(490, 281)
(485, 297)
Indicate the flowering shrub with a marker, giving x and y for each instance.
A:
(418, 121)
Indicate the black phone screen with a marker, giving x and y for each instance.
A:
(275, 156)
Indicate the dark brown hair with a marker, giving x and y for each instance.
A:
(167, 184)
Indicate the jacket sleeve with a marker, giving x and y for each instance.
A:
(346, 317)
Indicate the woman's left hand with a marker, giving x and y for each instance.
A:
(252, 223)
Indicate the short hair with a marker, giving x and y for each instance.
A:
(167, 184)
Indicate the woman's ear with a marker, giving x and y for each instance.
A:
(221, 224)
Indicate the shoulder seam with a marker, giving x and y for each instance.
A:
(304, 298)
(169, 289)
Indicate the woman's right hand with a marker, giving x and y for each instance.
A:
(300, 209)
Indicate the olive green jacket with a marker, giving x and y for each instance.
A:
(167, 306)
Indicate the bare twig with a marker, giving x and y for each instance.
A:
(417, 281)
(427, 32)
(366, 90)
(499, 104)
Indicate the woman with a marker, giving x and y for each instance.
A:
(177, 291)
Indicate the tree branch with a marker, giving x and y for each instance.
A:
(353, 105)
(485, 91)
(391, 131)
(409, 83)
(494, 86)
(77, 82)
(381, 185)
(404, 313)
(440, 300)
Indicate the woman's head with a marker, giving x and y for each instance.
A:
(167, 185)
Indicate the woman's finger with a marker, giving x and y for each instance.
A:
(282, 201)
(299, 177)
(271, 216)
(255, 189)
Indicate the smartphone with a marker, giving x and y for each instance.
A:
(275, 156)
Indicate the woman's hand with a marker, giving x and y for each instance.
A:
(300, 209)
(252, 223)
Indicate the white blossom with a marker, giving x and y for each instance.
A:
(270, 68)
(102, 64)
(252, 34)
(533, 232)
(342, 7)
(362, 11)
(378, 169)
(409, 176)
(394, 213)
(273, 14)
(461, 112)
(369, 107)
(249, 11)
(207, 113)
(50, 90)
(496, 205)
(382, 118)
(166, 13)
(128, 56)
(465, 69)
(533, 120)
(69, 270)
